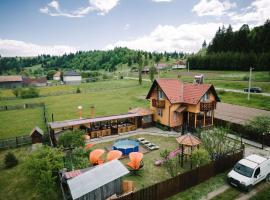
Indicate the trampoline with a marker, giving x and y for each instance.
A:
(126, 146)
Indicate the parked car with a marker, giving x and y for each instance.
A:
(254, 89)
(249, 171)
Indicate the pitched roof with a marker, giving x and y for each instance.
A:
(71, 73)
(37, 129)
(57, 74)
(34, 80)
(178, 92)
(10, 78)
(102, 174)
(188, 140)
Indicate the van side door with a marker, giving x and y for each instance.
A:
(257, 177)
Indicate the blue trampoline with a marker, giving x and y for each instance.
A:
(126, 146)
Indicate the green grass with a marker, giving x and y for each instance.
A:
(262, 195)
(14, 183)
(256, 101)
(199, 191)
(150, 174)
(229, 194)
(20, 122)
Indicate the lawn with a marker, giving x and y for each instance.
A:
(150, 174)
(199, 191)
(263, 194)
(229, 194)
(20, 122)
(14, 184)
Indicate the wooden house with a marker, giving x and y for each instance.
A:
(36, 135)
(11, 81)
(176, 104)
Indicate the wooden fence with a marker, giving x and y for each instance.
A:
(21, 106)
(15, 142)
(186, 180)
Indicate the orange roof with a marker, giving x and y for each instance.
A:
(188, 140)
(179, 92)
(11, 79)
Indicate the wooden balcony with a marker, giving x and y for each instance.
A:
(207, 106)
(158, 103)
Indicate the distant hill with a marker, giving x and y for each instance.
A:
(87, 60)
(236, 50)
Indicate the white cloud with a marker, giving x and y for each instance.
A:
(127, 26)
(158, 1)
(213, 7)
(100, 6)
(20, 48)
(186, 37)
(257, 12)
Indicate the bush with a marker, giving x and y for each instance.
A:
(78, 90)
(260, 125)
(16, 92)
(245, 78)
(29, 93)
(105, 77)
(10, 160)
(71, 139)
(77, 159)
(200, 157)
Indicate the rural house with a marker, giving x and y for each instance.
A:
(72, 78)
(36, 82)
(10, 81)
(57, 76)
(176, 104)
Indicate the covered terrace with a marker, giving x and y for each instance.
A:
(104, 126)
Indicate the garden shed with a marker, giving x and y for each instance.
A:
(98, 183)
(36, 135)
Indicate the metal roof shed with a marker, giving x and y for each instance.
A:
(98, 183)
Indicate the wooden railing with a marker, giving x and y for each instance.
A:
(158, 103)
(207, 106)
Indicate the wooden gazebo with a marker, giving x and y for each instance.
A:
(187, 143)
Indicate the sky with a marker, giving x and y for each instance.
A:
(34, 27)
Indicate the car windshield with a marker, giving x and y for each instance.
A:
(244, 170)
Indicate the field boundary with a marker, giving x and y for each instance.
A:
(21, 106)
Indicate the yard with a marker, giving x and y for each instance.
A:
(150, 174)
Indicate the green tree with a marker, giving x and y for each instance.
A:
(29, 93)
(71, 139)
(260, 125)
(152, 72)
(171, 165)
(41, 167)
(50, 74)
(16, 92)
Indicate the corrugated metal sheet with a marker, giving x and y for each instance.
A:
(96, 178)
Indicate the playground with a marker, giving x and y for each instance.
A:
(150, 173)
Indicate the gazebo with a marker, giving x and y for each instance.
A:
(187, 143)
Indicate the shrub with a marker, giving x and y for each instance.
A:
(200, 157)
(260, 125)
(78, 90)
(105, 76)
(77, 159)
(171, 165)
(10, 160)
(16, 92)
(71, 139)
(29, 93)
(221, 92)
(245, 78)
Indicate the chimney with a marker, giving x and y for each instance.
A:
(92, 111)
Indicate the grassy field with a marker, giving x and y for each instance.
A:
(150, 174)
(14, 184)
(228, 194)
(20, 122)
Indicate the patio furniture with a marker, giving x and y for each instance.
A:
(153, 147)
(150, 144)
(144, 142)
(140, 139)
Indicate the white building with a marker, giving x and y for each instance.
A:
(72, 78)
(57, 76)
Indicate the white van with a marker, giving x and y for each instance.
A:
(249, 171)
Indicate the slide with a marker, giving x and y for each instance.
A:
(169, 156)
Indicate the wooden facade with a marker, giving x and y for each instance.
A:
(182, 114)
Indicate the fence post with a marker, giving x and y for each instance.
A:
(17, 142)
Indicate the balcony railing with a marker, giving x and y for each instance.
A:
(158, 103)
(207, 106)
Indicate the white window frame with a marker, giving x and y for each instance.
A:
(160, 94)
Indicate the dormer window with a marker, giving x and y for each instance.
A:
(160, 94)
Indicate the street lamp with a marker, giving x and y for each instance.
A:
(80, 111)
(249, 81)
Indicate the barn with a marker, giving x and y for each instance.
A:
(72, 78)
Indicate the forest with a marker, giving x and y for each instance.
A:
(87, 60)
(235, 50)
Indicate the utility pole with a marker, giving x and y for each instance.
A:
(188, 66)
(249, 82)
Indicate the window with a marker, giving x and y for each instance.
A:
(257, 172)
(160, 94)
(205, 96)
(175, 117)
(160, 112)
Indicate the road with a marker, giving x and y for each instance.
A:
(224, 89)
